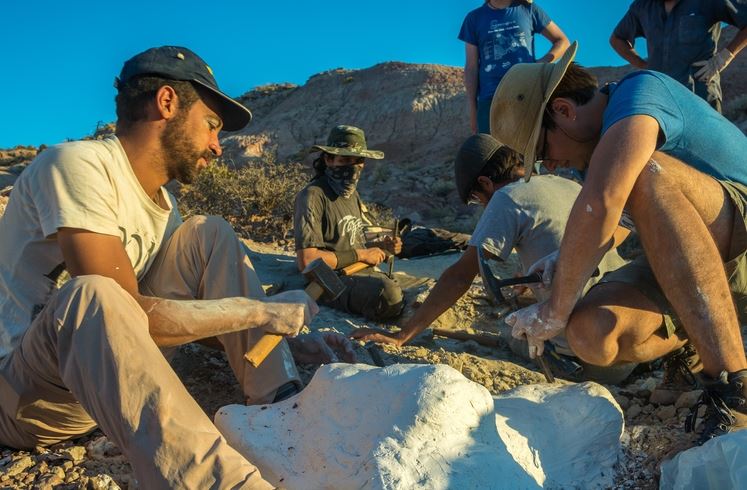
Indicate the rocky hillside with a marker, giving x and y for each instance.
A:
(415, 113)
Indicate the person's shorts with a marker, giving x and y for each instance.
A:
(638, 273)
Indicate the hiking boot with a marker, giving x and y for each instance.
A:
(680, 367)
(725, 400)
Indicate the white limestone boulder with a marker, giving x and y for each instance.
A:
(427, 426)
(719, 463)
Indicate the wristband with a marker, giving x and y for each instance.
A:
(345, 258)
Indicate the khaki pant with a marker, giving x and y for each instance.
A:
(88, 360)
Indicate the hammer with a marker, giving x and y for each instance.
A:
(324, 282)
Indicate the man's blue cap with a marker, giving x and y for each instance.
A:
(177, 63)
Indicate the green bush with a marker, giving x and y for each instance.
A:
(257, 200)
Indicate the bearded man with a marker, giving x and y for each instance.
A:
(98, 272)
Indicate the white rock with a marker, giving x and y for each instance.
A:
(427, 426)
(719, 463)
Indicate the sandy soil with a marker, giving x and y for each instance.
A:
(653, 428)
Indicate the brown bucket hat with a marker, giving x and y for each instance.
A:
(348, 141)
(519, 103)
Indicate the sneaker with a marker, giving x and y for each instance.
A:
(680, 367)
(725, 400)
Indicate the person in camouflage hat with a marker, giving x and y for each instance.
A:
(330, 222)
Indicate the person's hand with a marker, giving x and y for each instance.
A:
(377, 335)
(321, 348)
(392, 246)
(545, 266)
(288, 312)
(710, 68)
(536, 323)
(371, 256)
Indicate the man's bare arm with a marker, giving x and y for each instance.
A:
(371, 256)
(453, 283)
(173, 322)
(559, 41)
(738, 43)
(627, 52)
(618, 160)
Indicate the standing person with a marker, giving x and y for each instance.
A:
(658, 155)
(498, 35)
(97, 272)
(329, 223)
(527, 216)
(682, 40)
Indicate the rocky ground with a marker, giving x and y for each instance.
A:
(654, 418)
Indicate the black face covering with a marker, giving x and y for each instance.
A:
(344, 180)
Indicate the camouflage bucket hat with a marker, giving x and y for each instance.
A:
(348, 141)
(519, 103)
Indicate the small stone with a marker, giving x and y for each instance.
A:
(649, 384)
(29, 479)
(40, 467)
(623, 401)
(58, 471)
(647, 408)
(74, 453)
(633, 411)
(101, 482)
(688, 399)
(19, 465)
(665, 412)
(663, 397)
(48, 482)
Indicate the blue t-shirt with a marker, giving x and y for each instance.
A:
(692, 131)
(504, 37)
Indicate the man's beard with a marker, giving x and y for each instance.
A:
(180, 152)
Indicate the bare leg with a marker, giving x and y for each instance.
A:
(616, 323)
(684, 219)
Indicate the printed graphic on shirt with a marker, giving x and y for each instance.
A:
(353, 228)
(505, 38)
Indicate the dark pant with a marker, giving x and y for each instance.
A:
(371, 294)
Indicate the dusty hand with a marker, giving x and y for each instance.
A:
(372, 256)
(546, 266)
(288, 312)
(710, 68)
(537, 323)
(391, 246)
(321, 348)
(376, 335)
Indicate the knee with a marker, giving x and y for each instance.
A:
(90, 286)
(93, 295)
(207, 226)
(591, 335)
(391, 300)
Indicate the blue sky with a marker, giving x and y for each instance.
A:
(58, 59)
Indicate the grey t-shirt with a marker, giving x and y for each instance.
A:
(324, 220)
(531, 217)
(689, 33)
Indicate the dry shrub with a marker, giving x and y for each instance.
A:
(257, 200)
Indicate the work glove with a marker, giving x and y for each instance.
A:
(536, 323)
(712, 67)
